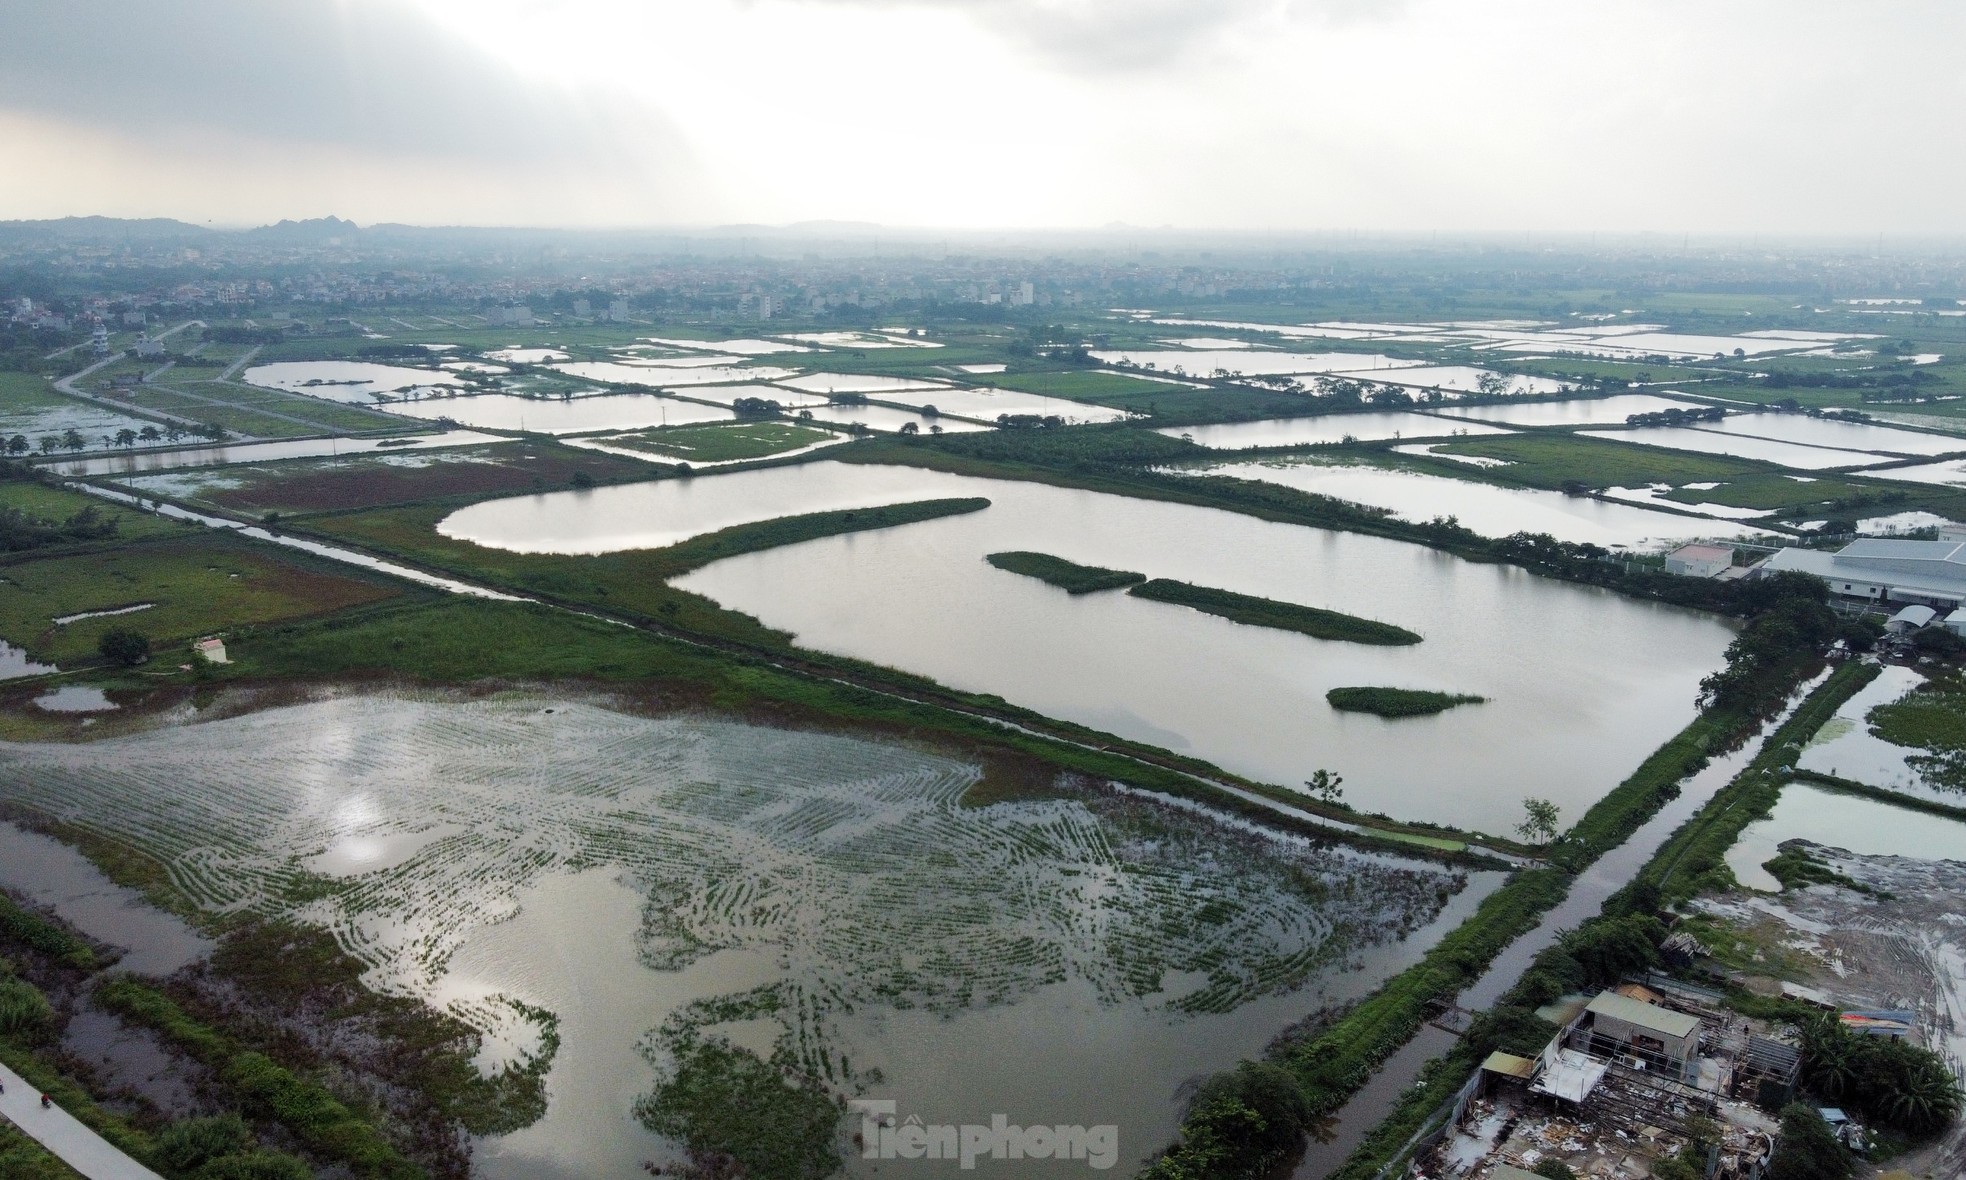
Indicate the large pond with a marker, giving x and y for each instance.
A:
(1044, 959)
(1326, 428)
(671, 373)
(1462, 379)
(1489, 510)
(1848, 436)
(1254, 361)
(138, 462)
(1838, 820)
(608, 411)
(1682, 438)
(1582, 684)
(1581, 411)
(986, 404)
(359, 382)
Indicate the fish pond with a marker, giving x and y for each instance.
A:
(1581, 684)
(1488, 509)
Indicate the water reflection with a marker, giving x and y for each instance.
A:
(1583, 684)
(1854, 823)
(1487, 509)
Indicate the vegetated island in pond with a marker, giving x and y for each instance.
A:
(1068, 576)
(1398, 702)
(1268, 612)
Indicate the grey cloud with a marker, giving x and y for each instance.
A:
(1107, 35)
(349, 73)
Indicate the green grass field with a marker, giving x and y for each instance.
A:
(201, 583)
(50, 503)
(718, 444)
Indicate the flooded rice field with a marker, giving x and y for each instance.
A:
(605, 411)
(1582, 684)
(1489, 510)
(987, 404)
(784, 396)
(1326, 428)
(1463, 379)
(56, 416)
(1849, 436)
(1787, 454)
(503, 857)
(1868, 827)
(1254, 361)
(825, 383)
(747, 346)
(356, 382)
(141, 461)
(886, 418)
(1847, 748)
(1582, 411)
(669, 373)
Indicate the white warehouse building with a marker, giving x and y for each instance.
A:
(1927, 573)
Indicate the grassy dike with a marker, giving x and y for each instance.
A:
(1069, 576)
(1251, 611)
(1687, 856)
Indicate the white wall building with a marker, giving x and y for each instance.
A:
(1930, 573)
(1699, 561)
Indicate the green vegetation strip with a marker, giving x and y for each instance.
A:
(1881, 794)
(1694, 857)
(1267, 612)
(1068, 576)
(1397, 702)
(1690, 852)
(315, 1117)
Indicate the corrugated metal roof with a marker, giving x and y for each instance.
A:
(1510, 1064)
(1643, 1015)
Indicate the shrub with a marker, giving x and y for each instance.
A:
(125, 647)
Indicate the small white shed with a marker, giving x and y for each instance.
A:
(1699, 561)
(1911, 619)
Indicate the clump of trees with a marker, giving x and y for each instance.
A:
(1891, 1082)
(1677, 417)
(1244, 1124)
(123, 646)
(1793, 625)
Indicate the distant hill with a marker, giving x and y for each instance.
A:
(96, 229)
(314, 229)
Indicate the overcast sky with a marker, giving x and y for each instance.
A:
(1769, 116)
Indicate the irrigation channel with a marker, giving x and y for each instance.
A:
(452, 585)
(1612, 872)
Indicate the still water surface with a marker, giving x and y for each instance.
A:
(1582, 684)
(1326, 428)
(1489, 510)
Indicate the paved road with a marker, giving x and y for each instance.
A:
(61, 1133)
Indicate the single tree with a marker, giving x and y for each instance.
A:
(72, 439)
(1325, 787)
(128, 648)
(1539, 822)
(17, 445)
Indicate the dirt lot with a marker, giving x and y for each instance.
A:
(1905, 951)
